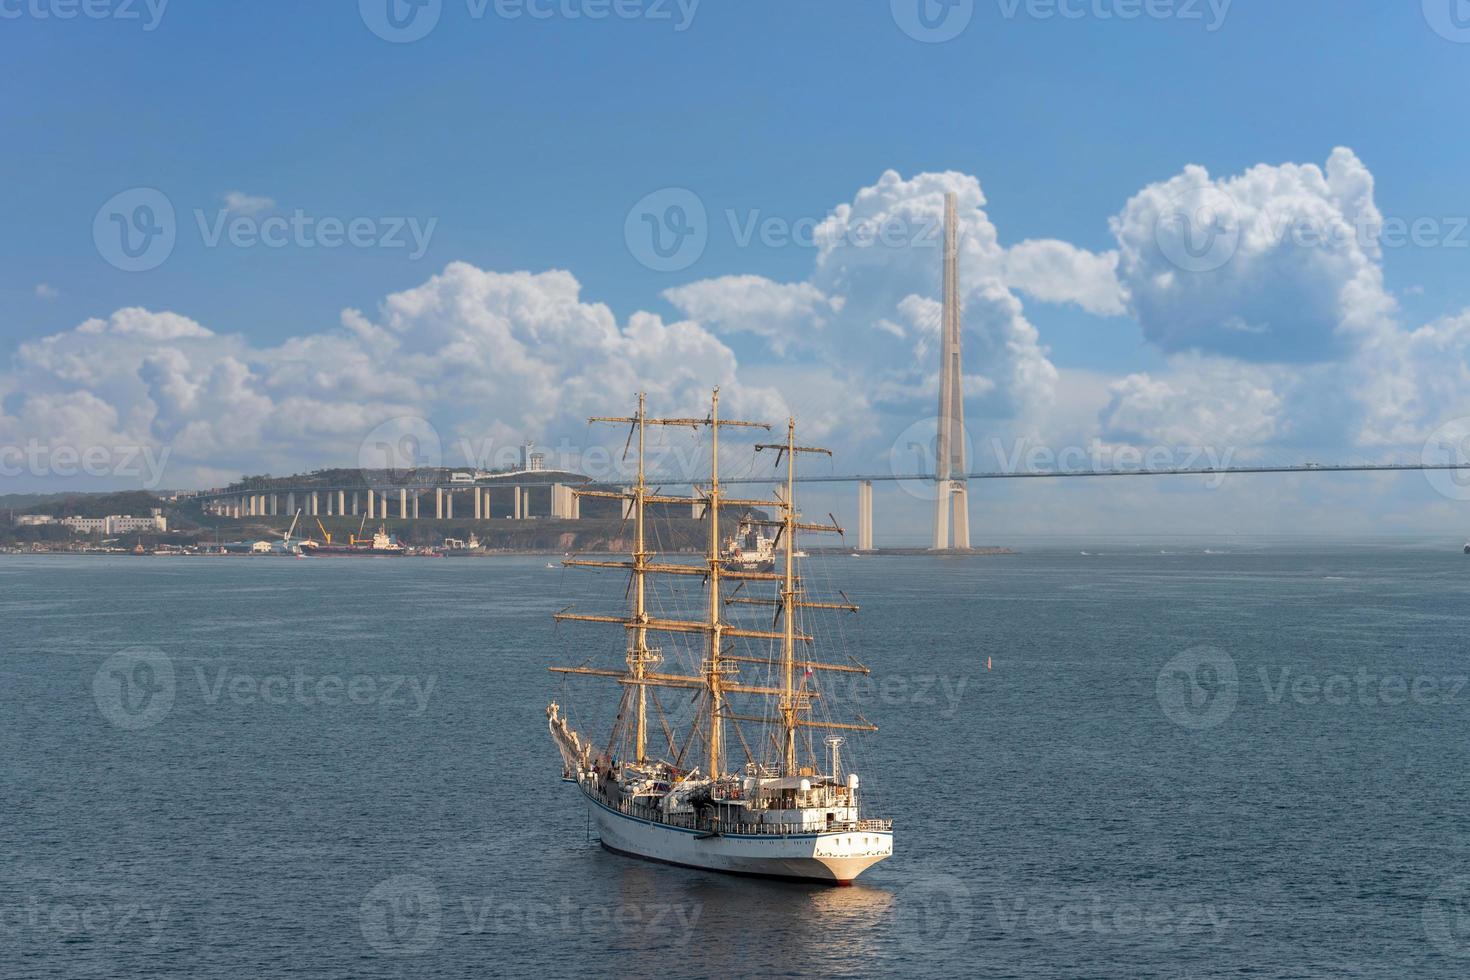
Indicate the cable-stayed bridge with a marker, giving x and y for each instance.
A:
(533, 493)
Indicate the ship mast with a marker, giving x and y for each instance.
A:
(788, 610)
(712, 665)
(638, 658)
(643, 670)
(714, 662)
(792, 702)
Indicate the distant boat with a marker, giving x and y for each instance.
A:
(749, 551)
(381, 545)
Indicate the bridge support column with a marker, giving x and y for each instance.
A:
(961, 498)
(449, 505)
(415, 505)
(438, 503)
(569, 503)
(341, 502)
(291, 502)
(479, 504)
(372, 501)
(519, 510)
(865, 516)
(951, 492)
(402, 504)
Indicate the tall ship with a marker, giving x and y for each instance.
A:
(669, 783)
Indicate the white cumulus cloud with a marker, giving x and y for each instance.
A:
(1059, 272)
(238, 202)
(1278, 264)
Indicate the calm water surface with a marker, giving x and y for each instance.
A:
(1179, 765)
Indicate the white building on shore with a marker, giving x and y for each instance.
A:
(116, 524)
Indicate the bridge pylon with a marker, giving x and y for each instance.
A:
(952, 490)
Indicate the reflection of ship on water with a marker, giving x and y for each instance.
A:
(797, 921)
(749, 550)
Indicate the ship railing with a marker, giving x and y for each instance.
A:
(688, 821)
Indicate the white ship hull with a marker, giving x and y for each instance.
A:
(831, 858)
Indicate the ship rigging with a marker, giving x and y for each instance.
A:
(779, 813)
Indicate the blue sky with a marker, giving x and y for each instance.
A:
(527, 140)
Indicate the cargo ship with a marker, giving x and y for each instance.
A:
(749, 550)
(380, 545)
